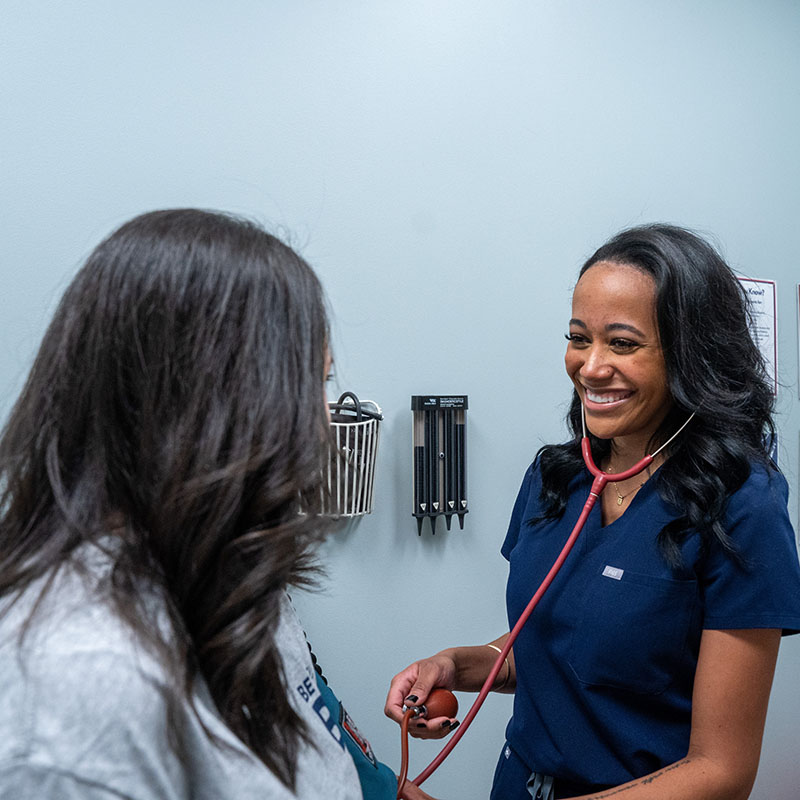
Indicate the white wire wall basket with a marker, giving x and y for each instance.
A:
(355, 429)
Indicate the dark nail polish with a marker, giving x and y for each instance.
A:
(412, 698)
(420, 724)
(446, 723)
(454, 726)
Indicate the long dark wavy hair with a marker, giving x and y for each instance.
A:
(177, 404)
(713, 368)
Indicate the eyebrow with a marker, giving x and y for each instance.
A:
(611, 327)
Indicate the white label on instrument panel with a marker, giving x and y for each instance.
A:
(614, 572)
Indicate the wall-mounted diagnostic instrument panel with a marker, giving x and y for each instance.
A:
(439, 438)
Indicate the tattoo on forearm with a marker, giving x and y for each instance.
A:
(644, 781)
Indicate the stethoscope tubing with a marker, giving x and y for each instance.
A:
(601, 479)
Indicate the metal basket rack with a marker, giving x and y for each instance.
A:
(355, 431)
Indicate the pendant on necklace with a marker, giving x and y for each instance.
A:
(619, 500)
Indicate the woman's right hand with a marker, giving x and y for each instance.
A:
(412, 686)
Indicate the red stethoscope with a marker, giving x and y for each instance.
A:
(442, 702)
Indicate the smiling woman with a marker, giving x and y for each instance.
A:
(646, 669)
(614, 356)
(616, 363)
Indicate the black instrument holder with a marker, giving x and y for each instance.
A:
(439, 442)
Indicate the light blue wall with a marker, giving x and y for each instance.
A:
(446, 166)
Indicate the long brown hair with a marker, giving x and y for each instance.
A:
(177, 398)
(714, 369)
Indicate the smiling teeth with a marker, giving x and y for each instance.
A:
(605, 398)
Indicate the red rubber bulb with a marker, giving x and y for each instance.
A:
(441, 703)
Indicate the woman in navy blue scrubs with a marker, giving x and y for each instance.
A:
(646, 669)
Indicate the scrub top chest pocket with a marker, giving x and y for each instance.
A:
(633, 630)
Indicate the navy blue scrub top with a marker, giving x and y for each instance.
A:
(606, 662)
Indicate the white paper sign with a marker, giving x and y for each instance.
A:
(762, 295)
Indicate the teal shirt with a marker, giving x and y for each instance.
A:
(378, 782)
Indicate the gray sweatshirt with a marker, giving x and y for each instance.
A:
(82, 718)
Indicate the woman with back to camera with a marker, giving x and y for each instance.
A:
(161, 478)
(645, 671)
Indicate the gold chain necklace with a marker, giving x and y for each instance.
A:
(621, 497)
